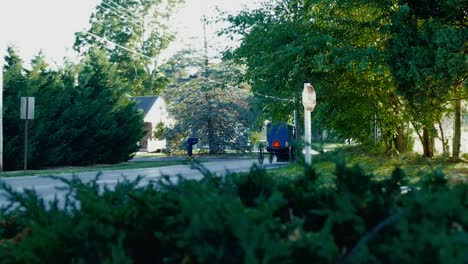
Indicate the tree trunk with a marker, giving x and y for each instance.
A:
(444, 140)
(456, 143)
(399, 140)
(427, 143)
(211, 143)
(399, 137)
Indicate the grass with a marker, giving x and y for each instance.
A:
(381, 166)
(165, 161)
(414, 165)
(101, 167)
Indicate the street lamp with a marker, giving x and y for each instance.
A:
(309, 102)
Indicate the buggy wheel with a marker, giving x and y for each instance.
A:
(270, 159)
(260, 154)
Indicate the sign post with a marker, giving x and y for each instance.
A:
(309, 102)
(1, 110)
(27, 112)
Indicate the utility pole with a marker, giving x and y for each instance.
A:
(1, 109)
(208, 94)
(205, 45)
(295, 116)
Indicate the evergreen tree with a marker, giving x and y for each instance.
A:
(105, 124)
(14, 86)
(92, 121)
(54, 91)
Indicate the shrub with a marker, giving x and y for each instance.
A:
(242, 218)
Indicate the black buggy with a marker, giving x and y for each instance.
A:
(280, 137)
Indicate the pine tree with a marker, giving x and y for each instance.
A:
(106, 123)
(15, 86)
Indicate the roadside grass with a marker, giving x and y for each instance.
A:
(414, 165)
(227, 155)
(164, 161)
(96, 168)
(381, 167)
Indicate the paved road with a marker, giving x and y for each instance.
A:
(47, 187)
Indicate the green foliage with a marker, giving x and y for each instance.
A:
(159, 131)
(427, 54)
(287, 42)
(137, 25)
(246, 218)
(465, 156)
(14, 86)
(103, 114)
(389, 62)
(255, 187)
(207, 102)
(81, 112)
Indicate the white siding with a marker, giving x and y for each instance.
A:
(158, 113)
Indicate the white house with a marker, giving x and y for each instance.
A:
(154, 112)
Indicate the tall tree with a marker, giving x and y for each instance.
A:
(139, 28)
(105, 122)
(428, 56)
(14, 86)
(209, 103)
(83, 114)
(54, 92)
(337, 46)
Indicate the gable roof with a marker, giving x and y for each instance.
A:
(145, 103)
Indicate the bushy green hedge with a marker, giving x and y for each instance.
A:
(83, 114)
(243, 218)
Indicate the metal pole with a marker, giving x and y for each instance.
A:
(375, 128)
(307, 137)
(26, 136)
(1, 110)
(296, 123)
(309, 102)
(26, 144)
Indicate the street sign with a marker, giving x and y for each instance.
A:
(27, 108)
(308, 97)
(309, 102)
(26, 113)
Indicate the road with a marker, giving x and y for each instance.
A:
(47, 187)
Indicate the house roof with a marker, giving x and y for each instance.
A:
(145, 103)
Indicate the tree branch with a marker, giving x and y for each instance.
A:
(390, 220)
